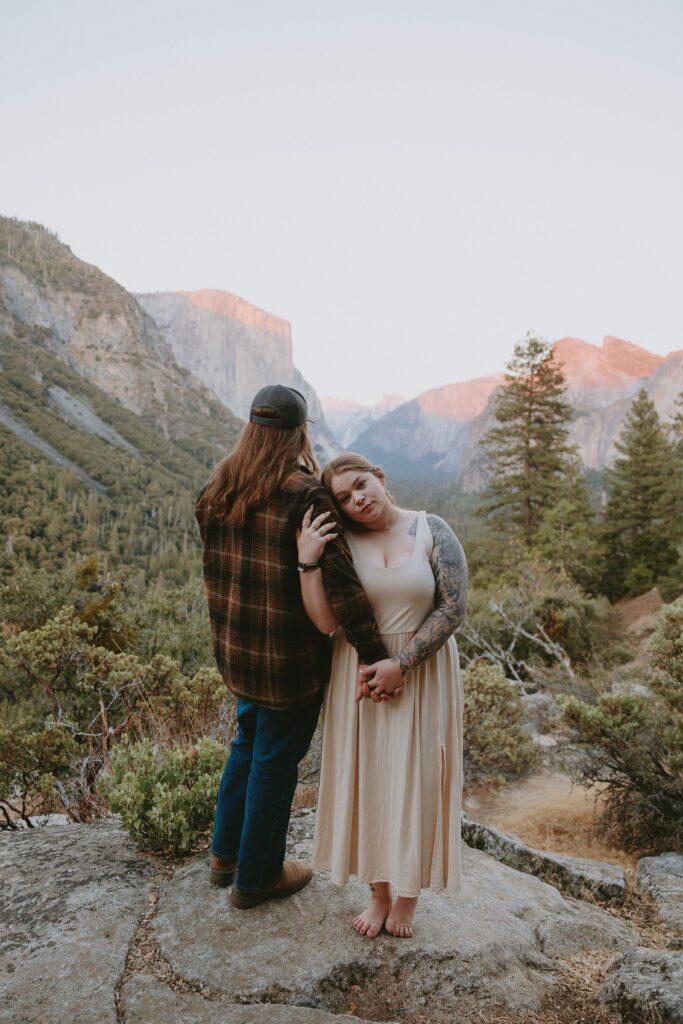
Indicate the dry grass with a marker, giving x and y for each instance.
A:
(547, 812)
(639, 614)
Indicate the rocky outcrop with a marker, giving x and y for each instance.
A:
(70, 900)
(235, 348)
(439, 432)
(646, 985)
(145, 999)
(89, 925)
(574, 876)
(494, 944)
(90, 322)
(662, 877)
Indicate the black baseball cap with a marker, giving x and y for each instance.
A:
(288, 403)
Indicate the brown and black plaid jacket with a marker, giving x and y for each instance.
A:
(267, 649)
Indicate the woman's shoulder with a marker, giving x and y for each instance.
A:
(443, 536)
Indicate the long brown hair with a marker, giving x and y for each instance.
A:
(350, 460)
(263, 459)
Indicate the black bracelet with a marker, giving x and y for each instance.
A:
(307, 566)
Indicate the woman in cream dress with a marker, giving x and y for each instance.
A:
(391, 774)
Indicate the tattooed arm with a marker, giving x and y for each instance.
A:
(449, 566)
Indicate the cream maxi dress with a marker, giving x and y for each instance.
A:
(391, 774)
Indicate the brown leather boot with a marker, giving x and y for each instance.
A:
(295, 875)
(222, 872)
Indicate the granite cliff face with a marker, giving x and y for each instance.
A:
(438, 433)
(234, 348)
(93, 324)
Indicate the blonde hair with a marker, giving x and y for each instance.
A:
(263, 459)
(350, 460)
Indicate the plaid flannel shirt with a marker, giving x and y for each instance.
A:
(267, 649)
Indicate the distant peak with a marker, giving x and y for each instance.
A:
(329, 402)
(391, 401)
(629, 357)
(386, 402)
(615, 362)
(461, 401)
(226, 304)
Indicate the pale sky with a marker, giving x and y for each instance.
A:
(413, 185)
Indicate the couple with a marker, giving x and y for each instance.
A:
(391, 585)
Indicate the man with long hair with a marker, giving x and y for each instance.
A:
(267, 650)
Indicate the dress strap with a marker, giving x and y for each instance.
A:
(425, 532)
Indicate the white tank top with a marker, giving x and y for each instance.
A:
(403, 596)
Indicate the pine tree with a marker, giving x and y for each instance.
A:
(567, 535)
(676, 433)
(529, 454)
(641, 525)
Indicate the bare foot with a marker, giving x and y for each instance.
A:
(400, 921)
(371, 921)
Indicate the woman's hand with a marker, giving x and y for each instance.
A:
(381, 681)
(313, 535)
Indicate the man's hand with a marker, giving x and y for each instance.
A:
(381, 681)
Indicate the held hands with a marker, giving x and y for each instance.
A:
(381, 681)
(313, 535)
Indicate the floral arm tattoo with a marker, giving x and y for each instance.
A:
(449, 566)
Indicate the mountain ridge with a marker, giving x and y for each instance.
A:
(437, 433)
(234, 348)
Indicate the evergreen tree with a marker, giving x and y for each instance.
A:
(567, 534)
(676, 432)
(529, 454)
(641, 526)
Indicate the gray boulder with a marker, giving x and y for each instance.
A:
(574, 876)
(662, 877)
(145, 999)
(497, 944)
(70, 900)
(646, 985)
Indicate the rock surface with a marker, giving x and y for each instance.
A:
(574, 876)
(662, 877)
(74, 896)
(95, 326)
(234, 348)
(145, 999)
(646, 985)
(70, 900)
(494, 944)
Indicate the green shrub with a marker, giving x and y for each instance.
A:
(540, 620)
(35, 763)
(638, 579)
(494, 741)
(166, 797)
(631, 745)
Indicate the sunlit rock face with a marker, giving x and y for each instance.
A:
(92, 323)
(439, 433)
(597, 376)
(235, 348)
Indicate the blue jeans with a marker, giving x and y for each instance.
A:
(257, 788)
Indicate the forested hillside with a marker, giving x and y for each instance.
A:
(133, 504)
(104, 440)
